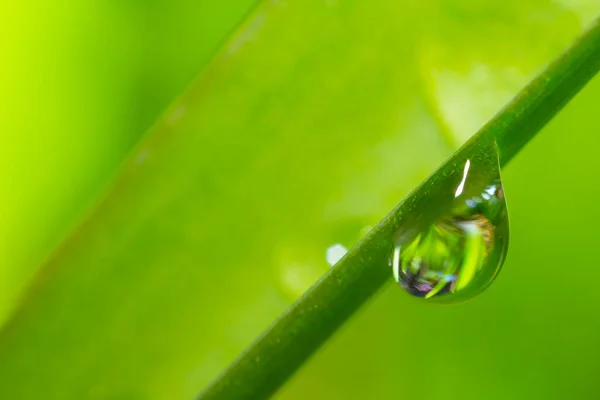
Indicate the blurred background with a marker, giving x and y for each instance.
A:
(285, 128)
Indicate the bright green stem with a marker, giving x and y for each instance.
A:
(299, 332)
(545, 96)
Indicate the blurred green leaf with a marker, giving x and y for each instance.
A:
(81, 81)
(298, 138)
(304, 327)
(288, 144)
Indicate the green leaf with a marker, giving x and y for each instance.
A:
(286, 345)
(80, 85)
(287, 144)
(227, 216)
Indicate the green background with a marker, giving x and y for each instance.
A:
(313, 121)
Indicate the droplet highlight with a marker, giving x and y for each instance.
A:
(457, 245)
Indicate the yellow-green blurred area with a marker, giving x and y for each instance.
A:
(311, 122)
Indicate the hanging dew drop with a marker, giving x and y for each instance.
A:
(457, 246)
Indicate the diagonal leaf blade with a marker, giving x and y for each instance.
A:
(134, 284)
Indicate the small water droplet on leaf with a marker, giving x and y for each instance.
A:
(457, 246)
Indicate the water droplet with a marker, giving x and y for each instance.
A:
(335, 253)
(457, 244)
